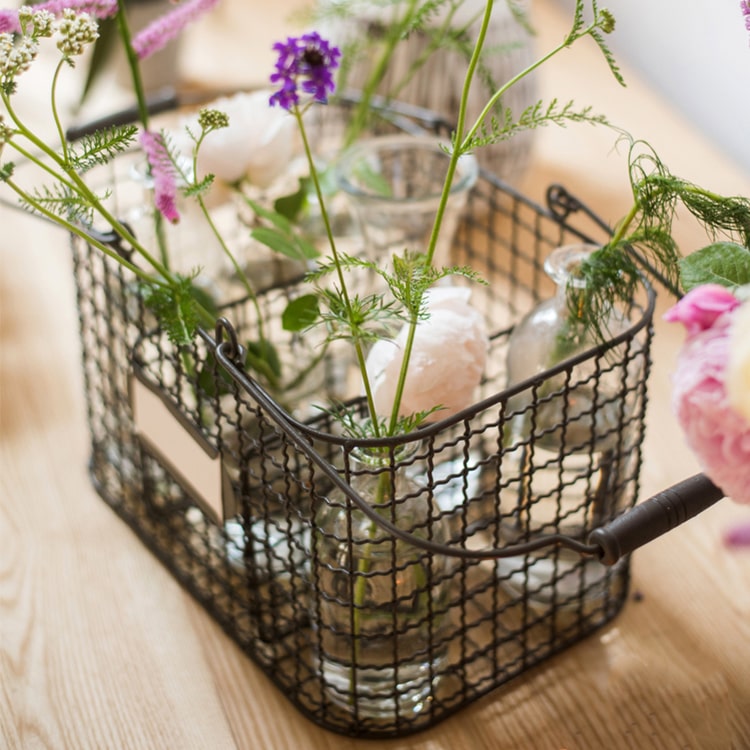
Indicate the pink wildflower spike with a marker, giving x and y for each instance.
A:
(717, 433)
(701, 307)
(162, 31)
(95, 8)
(9, 22)
(163, 173)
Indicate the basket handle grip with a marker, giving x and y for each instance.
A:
(654, 517)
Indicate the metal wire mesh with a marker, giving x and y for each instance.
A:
(266, 571)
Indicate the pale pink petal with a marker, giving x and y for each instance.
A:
(701, 306)
(716, 432)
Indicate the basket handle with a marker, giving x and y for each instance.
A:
(654, 517)
(638, 526)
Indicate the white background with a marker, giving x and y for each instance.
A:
(695, 53)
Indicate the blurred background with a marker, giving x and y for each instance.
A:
(696, 53)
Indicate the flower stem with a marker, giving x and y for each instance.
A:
(364, 565)
(136, 78)
(359, 351)
(55, 113)
(135, 70)
(456, 153)
(235, 264)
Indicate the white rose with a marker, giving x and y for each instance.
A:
(257, 145)
(447, 360)
(738, 365)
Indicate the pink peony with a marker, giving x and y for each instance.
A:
(447, 360)
(717, 434)
(738, 366)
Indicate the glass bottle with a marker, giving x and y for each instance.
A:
(569, 462)
(379, 604)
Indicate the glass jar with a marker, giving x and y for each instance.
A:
(378, 604)
(394, 184)
(568, 462)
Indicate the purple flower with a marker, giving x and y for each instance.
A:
(163, 173)
(738, 536)
(745, 8)
(305, 63)
(159, 33)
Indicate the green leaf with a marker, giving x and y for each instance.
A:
(290, 245)
(213, 379)
(372, 179)
(204, 298)
(278, 242)
(300, 313)
(276, 218)
(263, 358)
(290, 206)
(724, 263)
(6, 171)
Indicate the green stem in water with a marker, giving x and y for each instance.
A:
(364, 565)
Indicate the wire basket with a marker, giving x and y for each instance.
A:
(235, 493)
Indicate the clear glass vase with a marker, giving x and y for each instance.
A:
(394, 184)
(378, 605)
(568, 462)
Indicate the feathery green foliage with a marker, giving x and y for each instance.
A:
(60, 201)
(535, 116)
(354, 426)
(101, 147)
(174, 307)
(374, 315)
(644, 241)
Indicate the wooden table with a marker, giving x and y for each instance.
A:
(100, 648)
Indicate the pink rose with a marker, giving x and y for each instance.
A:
(716, 432)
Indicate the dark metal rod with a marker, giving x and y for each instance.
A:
(654, 517)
